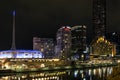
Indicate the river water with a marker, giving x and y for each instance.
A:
(78, 74)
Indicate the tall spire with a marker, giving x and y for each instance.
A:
(13, 47)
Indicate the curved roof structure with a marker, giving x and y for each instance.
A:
(21, 54)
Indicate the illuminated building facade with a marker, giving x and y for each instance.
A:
(78, 40)
(20, 54)
(63, 38)
(100, 45)
(99, 17)
(103, 47)
(45, 45)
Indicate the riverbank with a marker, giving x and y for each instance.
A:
(82, 66)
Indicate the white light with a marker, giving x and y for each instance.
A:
(90, 71)
(75, 73)
(84, 79)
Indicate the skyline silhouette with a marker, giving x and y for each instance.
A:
(42, 18)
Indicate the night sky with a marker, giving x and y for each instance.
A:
(42, 18)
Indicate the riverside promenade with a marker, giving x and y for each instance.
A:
(59, 67)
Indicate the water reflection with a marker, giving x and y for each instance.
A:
(85, 74)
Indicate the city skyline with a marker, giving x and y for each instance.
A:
(43, 18)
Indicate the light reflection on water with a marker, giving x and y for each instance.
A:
(78, 74)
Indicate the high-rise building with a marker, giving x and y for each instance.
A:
(78, 40)
(99, 17)
(100, 45)
(63, 46)
(45, 45)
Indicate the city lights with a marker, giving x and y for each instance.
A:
(87, 51)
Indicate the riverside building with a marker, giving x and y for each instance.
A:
(78, 41)
(63, 46)
(45, 45)
(100, 46)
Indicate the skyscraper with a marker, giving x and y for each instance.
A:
(78, 40)
(63, 38)
(100, 45)
(99, 17)
(45, 45)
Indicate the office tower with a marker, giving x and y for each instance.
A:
(45, 45)
(99, 17)
(78, 40)
(63, 46)
(100, 45)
